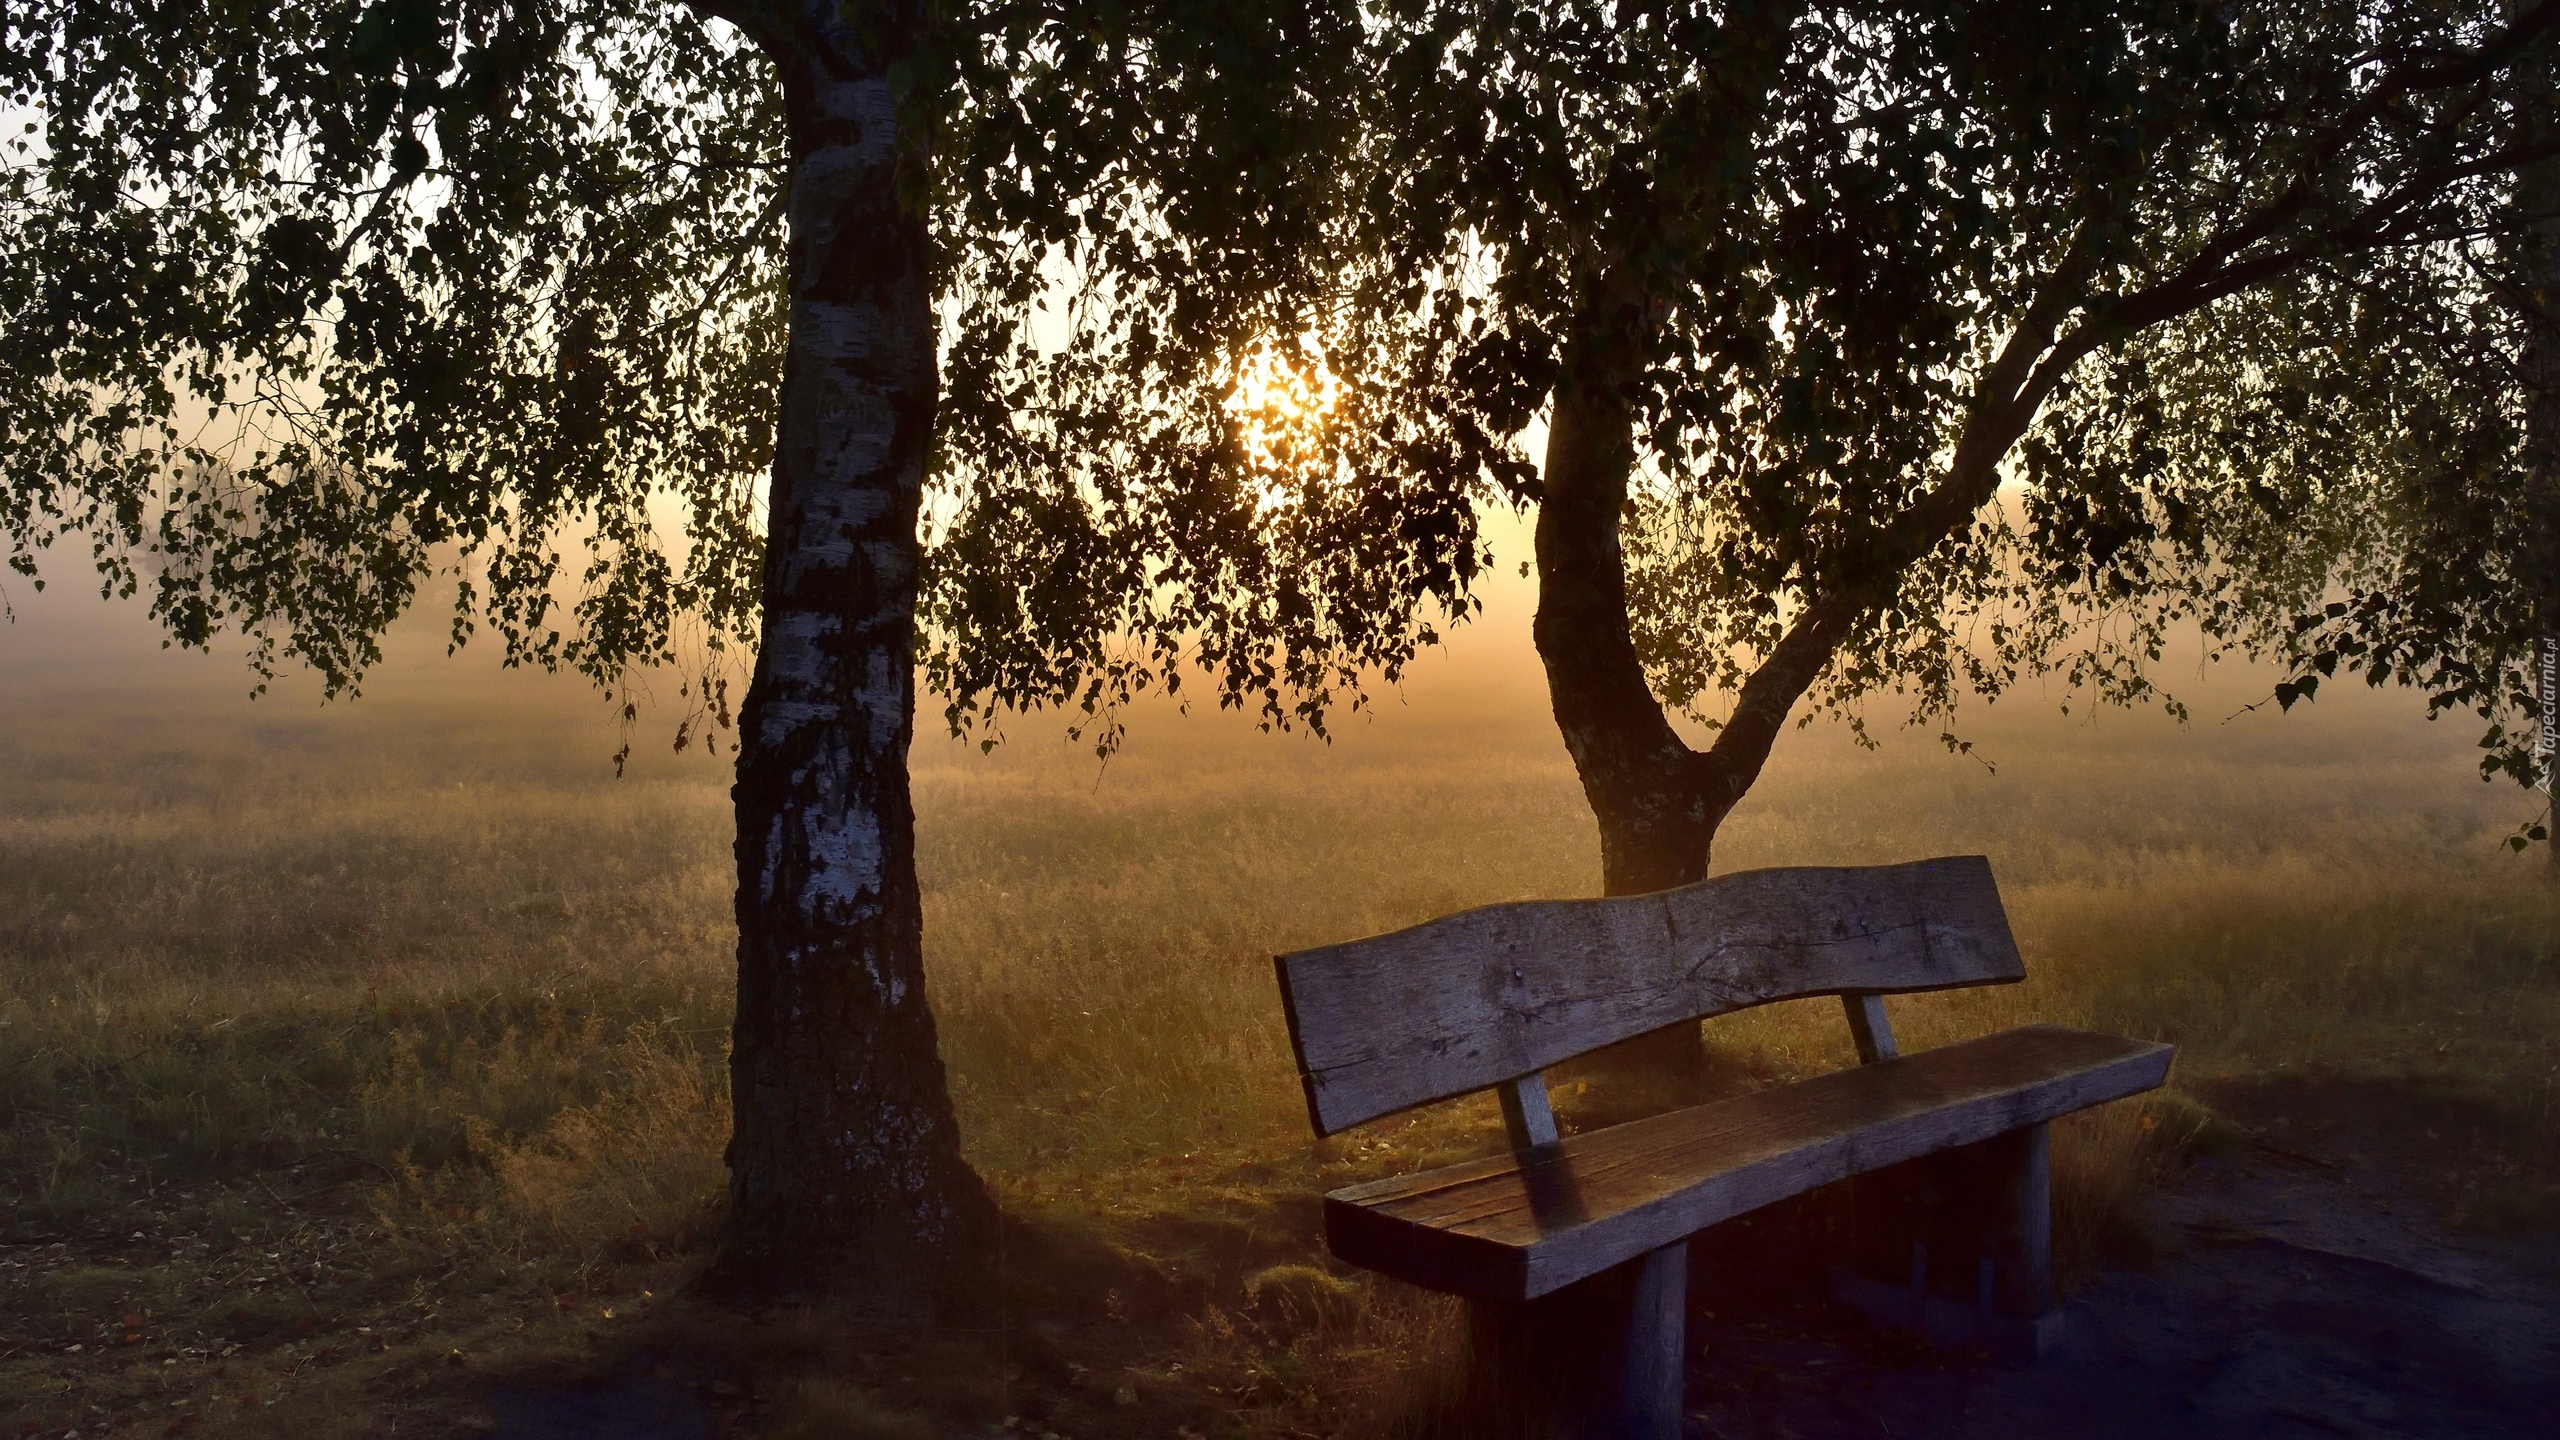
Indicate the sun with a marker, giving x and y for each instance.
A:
(1280, 404)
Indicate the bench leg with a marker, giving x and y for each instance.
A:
(1600, 1359)
(1960, 1245)
(2018, 1171)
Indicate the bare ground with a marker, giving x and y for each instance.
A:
(2306, 1284)
(2303, 1281)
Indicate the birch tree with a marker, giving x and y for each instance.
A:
(303, 305)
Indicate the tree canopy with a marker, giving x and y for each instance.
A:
(295, 297)
(302, 306)
(1910, 348)
(1915, 349)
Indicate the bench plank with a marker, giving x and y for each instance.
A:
(1520, 1226)
(1467, 1001)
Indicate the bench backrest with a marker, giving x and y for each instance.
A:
(1486, 996)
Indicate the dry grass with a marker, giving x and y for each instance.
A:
(340, 1047)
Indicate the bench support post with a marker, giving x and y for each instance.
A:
(1526, 1117)
(1959, 1245)
(1600, 1359)
(2018, 1175)
(1869, 1028)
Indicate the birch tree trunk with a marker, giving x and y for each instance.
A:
(845, 1166)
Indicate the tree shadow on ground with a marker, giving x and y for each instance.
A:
(1078, 1333)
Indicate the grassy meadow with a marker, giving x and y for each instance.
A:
(355, 1058)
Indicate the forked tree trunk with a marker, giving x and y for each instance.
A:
(845, 1167)
(1658, 802)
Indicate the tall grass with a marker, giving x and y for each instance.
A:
(415, 996)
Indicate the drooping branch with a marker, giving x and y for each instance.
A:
(2411, 78)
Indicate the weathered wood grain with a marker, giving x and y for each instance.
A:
(1520, 1226)
(1476, 998)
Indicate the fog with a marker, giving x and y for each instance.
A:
(70, 658)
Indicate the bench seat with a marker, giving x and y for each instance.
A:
(1528, 1223)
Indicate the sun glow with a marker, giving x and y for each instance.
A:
(1281, 403)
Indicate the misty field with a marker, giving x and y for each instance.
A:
(340, 1048)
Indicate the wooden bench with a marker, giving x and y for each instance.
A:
(1573, 1251)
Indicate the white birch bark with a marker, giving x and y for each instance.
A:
(845, 1167)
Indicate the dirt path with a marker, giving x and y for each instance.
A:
(2306, 1290)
